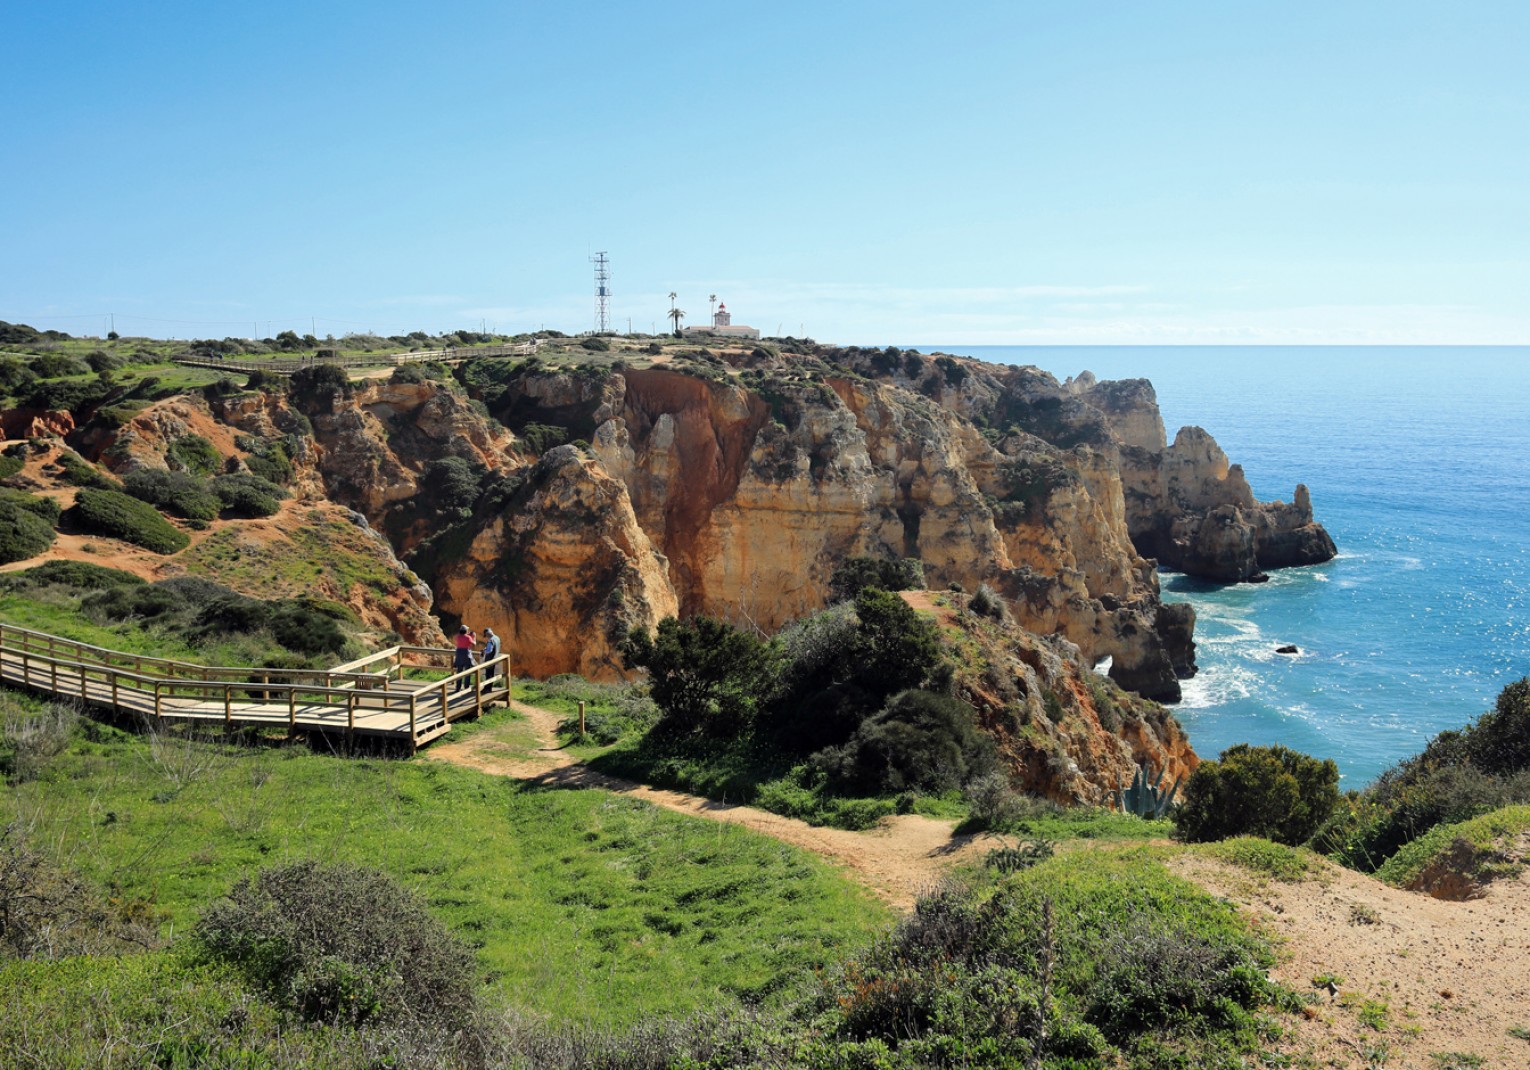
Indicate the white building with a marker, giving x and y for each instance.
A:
(722, 326)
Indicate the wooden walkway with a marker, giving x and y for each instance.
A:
(378, 696)
(450, 355)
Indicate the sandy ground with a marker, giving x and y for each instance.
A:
(900, 858)
(1455, 977)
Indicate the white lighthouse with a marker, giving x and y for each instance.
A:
(722, 325)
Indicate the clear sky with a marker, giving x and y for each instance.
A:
(1005, 172)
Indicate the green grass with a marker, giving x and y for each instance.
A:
(1484, 837)
(1275, 860)
(584, 905)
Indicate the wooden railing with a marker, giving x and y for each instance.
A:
(381, 702)
(288, 367)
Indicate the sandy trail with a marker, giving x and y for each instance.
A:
(898, 859)
(1455, 976)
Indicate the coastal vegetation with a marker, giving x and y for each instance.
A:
(255, 900)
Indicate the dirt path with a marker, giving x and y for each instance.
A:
(1454, 977)
(901, 857)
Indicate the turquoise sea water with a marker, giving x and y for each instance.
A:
(1418, 460)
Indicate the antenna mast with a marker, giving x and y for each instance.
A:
(602, 292)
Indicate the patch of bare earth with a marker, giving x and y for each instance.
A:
(897, 860)
(1454, 976)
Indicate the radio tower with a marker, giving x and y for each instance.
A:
(602, 292)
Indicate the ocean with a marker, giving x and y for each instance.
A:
(1418, 460)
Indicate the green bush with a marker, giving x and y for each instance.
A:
(595, 344)
(74, 470)
(194, 454)
(81, 575)
(406, 374)
(303, 626)
(56, 366)
(175, 492)
(119, 516)
(23, 533)
(15, 377)
(854, 574)
(1273, 792)
(65, 395)
(11, 463)
(247, 496)
(921, 742)
(341, 943)
(149, 601)
(46, 508)
(705, 674)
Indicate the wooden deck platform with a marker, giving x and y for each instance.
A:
(379, 695)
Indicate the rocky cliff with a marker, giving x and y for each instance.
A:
(734, 487)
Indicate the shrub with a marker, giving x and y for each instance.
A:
(51, 913)
(81, 575)
(318, 383)
(1273, 792)
(260, 379)
(341, 943)
(303, 626)
(705, 674)
(118, 516)
(991, 802)
(408, 373)
(986, 602)
(539, 438)
(74, 470)
(23, 533)
(193, 453)
(15, 377)
(146, 602)
(11, 463)
(175, 492)
(247, 496)
(102, 361)
(233, 614)
(595, 345)
(855, 574)
(65, 395)
(29, 741)
(46, 508)
(921, 742)
(56, 366)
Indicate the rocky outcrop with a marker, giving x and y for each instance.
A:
(748, 487)
(563, 572)
(1063, 732)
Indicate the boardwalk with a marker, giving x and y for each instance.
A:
(450, 355)
(381, 695)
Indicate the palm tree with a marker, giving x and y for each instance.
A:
(676, 315)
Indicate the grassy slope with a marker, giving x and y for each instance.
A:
(586, 905)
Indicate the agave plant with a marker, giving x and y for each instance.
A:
(1146, 800)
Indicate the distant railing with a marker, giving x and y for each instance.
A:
(449, 355)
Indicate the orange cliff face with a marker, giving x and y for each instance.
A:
(736, 491)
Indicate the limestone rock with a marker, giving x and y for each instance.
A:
(563, 573)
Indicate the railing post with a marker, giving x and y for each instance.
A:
(413, 701)
(350, 713)
(228, 705)
(52, 672)
(291, 706)
(478, 679)
(445, 712)
(116, 706)
(157, 713)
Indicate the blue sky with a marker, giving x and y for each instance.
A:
(1079, 172)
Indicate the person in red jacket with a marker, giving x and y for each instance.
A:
(466, 641)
